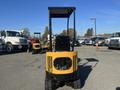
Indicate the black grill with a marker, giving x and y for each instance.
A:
(62, 63)
(114, 42)
(37, 46)
(23, 41)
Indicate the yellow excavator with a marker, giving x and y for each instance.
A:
(61, 61)
(36, 44)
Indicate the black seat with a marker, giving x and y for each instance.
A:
(62, 43)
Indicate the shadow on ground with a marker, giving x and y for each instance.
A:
(114, 48)
(19, 51)
(118, 88)
(84, 71)
(15, 52)
(86, 68)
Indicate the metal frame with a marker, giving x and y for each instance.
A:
(37, 33)
(62, 12)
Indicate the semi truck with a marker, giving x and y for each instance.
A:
(13, 40)
(2, 46)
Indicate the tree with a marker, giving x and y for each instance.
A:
(70, 31)
(25, 32)
(89, 32)
(63, 33)
(45, 34)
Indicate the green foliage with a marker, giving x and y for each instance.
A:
(89, 32)
(63, 33)
(45, 34)
(70, 31)
(25, 32)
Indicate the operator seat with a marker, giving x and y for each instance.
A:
(62, 43)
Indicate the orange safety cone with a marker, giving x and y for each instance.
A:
(97, 46)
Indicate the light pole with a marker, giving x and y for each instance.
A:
(94, 19)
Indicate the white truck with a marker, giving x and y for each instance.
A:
(114, 41)
(13, 40)
(2, 46)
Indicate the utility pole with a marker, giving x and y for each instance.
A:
(94, 19)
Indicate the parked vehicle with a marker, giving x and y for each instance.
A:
(2, 46)
(35, 43)
(115, 41)
(100, 41)
(88, 41)
(13, 41)
(107, 41)
(81, 41)
(76, 43)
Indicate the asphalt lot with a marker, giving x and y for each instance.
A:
(99, 70)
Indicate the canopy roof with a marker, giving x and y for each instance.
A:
(37, 33)
(60, 12)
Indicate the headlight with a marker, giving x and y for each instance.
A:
(17, 42)
(100, 42)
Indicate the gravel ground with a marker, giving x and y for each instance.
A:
(99, 70)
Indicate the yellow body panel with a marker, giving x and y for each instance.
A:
(36, 44)
(51, 69)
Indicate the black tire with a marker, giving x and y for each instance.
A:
(77, 84)
(110, 48)
(25, 49)
(9, 48)
(33, 52)
(49, 84)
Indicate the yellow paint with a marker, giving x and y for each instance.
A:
(72, 55)
(35, 44)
